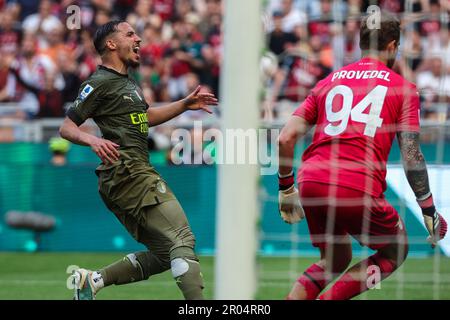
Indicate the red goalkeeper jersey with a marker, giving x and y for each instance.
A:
(357, 111)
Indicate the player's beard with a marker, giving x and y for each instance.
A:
(128, 59)
(132, 63)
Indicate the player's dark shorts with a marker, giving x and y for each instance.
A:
(145, 205)
(333, 212)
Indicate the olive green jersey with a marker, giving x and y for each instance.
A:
(116, 104)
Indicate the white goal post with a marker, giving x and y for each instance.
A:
(237, 207)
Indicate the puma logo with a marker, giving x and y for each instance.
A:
(128, 98)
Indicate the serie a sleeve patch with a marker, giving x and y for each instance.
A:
(86, 91)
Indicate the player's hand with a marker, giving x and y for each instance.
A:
(289, 205)
(291, 210)
(106, 150)
(436, 226)
(200, 101)
(434, 222)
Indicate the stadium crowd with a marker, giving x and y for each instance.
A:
(47, 61)
(311, 38)
(43, 62)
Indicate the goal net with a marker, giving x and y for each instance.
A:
(306, 41)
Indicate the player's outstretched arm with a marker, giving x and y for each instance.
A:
(417, 175)
(106, 150)
(289, 205)
(194, 101)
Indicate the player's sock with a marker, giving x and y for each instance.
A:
(134, 267)
(186, 272)
(313, 281)
(355, 280)
(121, 272)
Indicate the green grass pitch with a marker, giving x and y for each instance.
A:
(43, 276)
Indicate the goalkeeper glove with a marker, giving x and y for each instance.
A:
(289, 205)
(434, 222)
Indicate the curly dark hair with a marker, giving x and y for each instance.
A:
(104, 31)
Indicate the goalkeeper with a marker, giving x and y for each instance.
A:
(357, 111)
(129, 186)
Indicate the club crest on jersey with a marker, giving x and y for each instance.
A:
(161, 187)
(86, 91)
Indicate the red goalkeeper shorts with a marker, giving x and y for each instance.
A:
(332, 212)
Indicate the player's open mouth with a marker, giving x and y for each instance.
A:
(136, 50)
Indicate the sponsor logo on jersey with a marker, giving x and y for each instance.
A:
(140, 119)
(86, 91)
